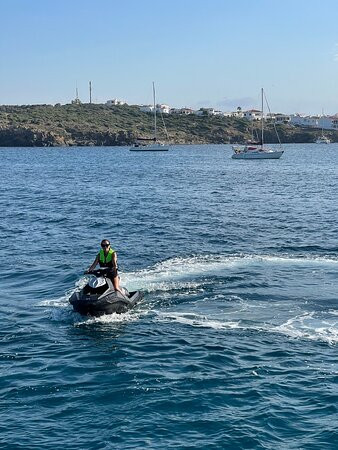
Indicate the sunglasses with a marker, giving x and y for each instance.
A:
(105, 245)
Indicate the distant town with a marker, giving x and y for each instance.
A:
(317, 121)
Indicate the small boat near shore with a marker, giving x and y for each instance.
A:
(150, 144)
(257, 150)
(323, 140)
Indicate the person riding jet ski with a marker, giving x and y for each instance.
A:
(103, 294)
(107, 258)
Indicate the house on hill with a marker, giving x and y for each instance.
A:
(252, 114)
(115, 102)
(182, 111)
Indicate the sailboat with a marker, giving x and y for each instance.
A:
(257, 151)
(150, 144)
(323, 139)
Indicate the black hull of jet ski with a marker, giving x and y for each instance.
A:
(98, 305)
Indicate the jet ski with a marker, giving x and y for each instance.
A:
(99, 297)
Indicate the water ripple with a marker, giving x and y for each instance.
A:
(235, 342)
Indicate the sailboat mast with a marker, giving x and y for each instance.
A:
(262, 120)
(155, 127)
(322, 122)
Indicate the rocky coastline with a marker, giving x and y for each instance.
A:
(100, 125)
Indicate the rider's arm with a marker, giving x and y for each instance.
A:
(95, 263)
(115, 260)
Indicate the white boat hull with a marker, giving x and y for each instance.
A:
(149, 148)
(258, 155)
(323, 141)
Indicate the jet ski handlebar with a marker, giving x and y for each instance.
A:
(98, 272)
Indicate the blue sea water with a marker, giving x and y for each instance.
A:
(235, 342)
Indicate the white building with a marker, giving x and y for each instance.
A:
(278, 118)
(304, 121)
(252, 114)
(182, 111)
(146, 108)
(115, 102)
(160, 108)
(238, 113)
(335, 121)
(325, 122)
(328, 122)
(164, 109)
(205, 112)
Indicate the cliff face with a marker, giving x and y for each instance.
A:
(27, 137)
(99, 125)
(14, 136)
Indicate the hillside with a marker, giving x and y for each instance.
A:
(95, 124)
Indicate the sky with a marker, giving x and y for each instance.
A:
(199, 53)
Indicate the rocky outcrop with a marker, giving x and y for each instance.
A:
(27, 137)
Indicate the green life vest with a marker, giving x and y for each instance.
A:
(106, 260)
